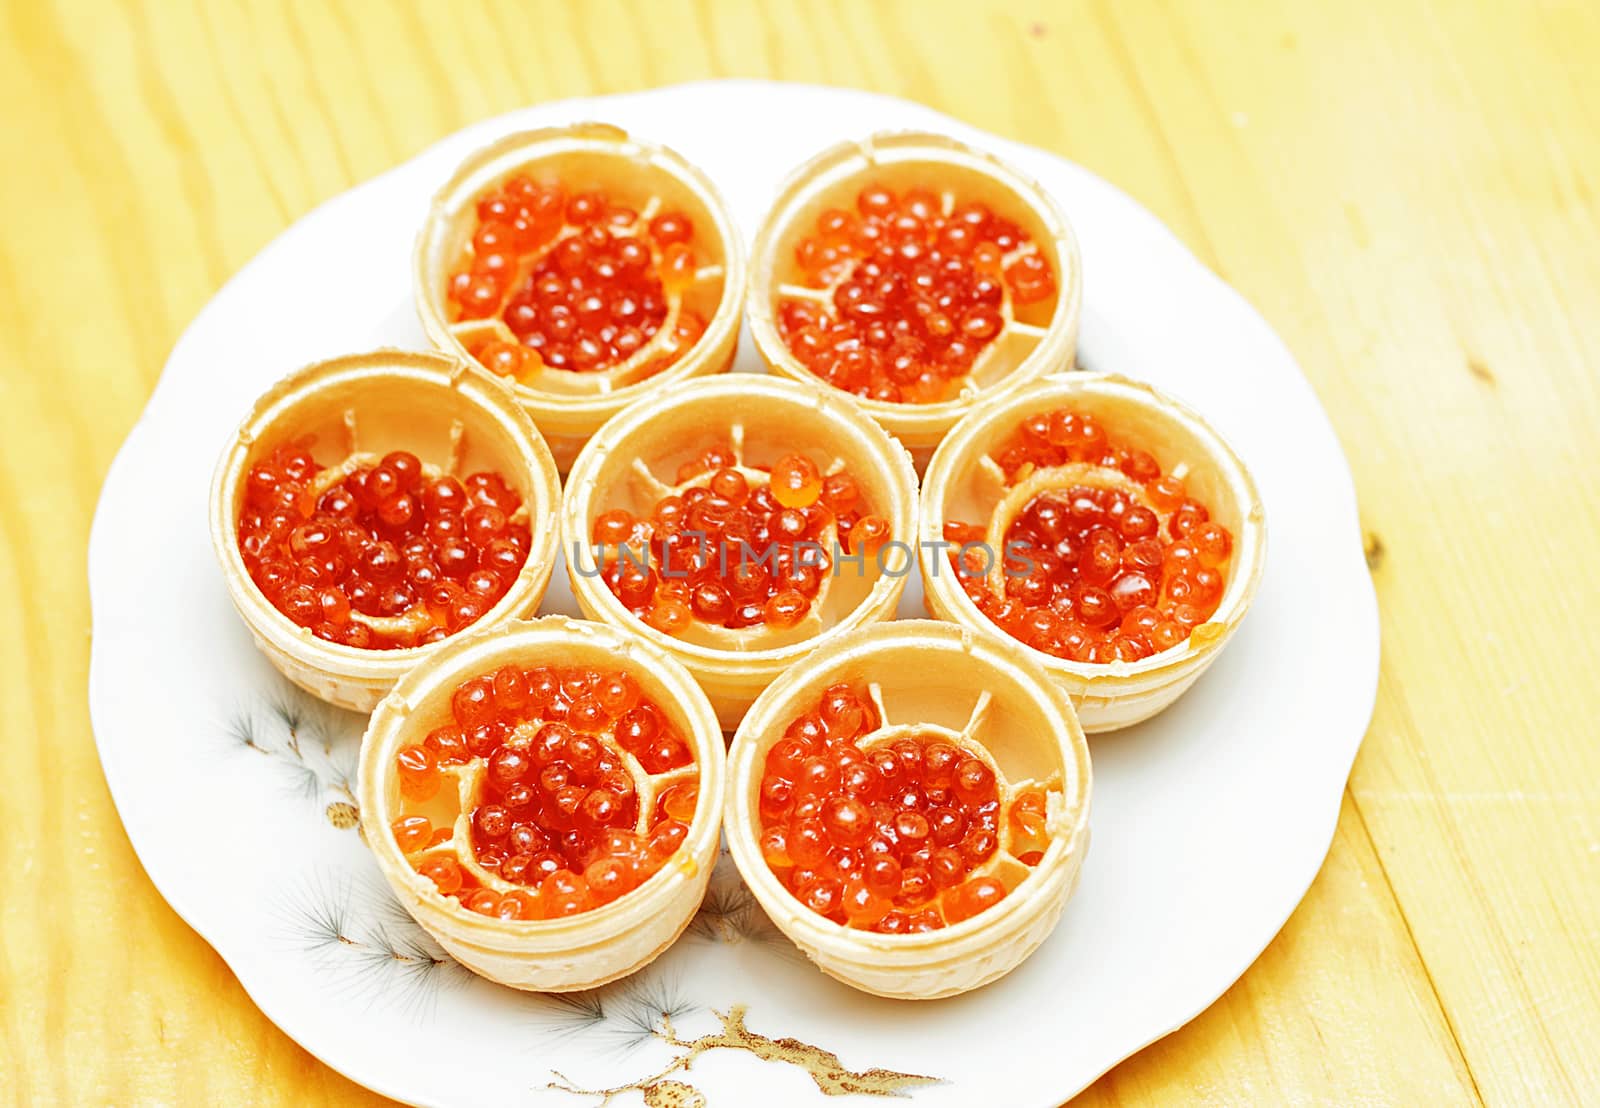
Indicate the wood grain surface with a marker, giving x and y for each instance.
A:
(1406, 190)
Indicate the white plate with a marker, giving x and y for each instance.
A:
(1209, 822)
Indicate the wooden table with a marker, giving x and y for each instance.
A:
(1408, 192)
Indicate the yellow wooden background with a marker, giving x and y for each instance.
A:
(1406, 190)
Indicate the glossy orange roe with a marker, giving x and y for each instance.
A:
(691, 565)
(383, 541)
(1099, 574)
(915, 294)
(886, 839)
(558, 812)
(581, 283)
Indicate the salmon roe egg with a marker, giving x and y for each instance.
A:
(577, 278)
(893, 836)
(916, 287)
(736, 546)
(1098, 572)
(555, 811)
(384, 557)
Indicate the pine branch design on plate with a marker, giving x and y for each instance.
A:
(730, 914)
(826, 1071)
(357, 933)
(623, 1015)
(315, 746)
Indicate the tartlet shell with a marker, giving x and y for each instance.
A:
(778, 415)
(402, 401)
(901, 159)
(593, 947)
(942, 666)
(1116, 694)
(587, 155)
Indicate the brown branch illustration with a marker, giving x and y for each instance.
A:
(829, 1074)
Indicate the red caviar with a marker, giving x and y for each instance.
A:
(581, 282)
(384, 557)
(739, 547)
(1116, 570)
(555, 811)
(893, 837)
(915, 292)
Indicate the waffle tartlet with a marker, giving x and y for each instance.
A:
(1171, 463)
(574, 951)
(639, 182)
(348, 412)
(648, 456)
(925, 685)
(823, 206)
